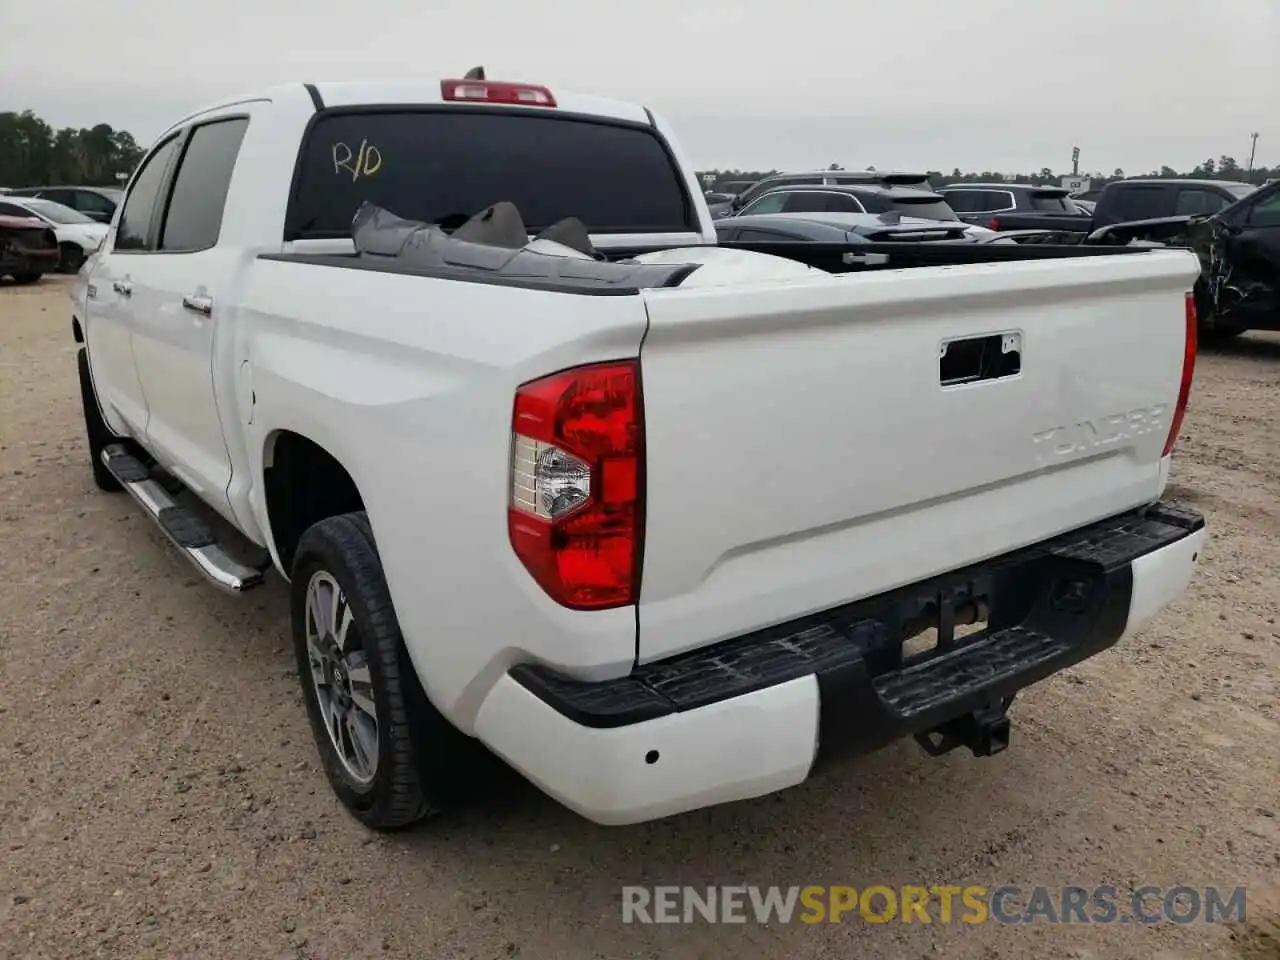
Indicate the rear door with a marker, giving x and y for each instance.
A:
(179, 291)
(818, 441)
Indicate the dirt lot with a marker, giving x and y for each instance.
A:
(159, 796)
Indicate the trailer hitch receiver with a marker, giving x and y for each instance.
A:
(985, 732)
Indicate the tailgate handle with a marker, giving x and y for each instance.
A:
(972, 359)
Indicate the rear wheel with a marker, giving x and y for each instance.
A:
(71, 258)
(389, 755)
(25, 278)
(1208, 328)
(96, 430)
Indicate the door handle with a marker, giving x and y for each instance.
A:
(122, 287)
(198, 304)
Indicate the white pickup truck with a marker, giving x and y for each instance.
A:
(659, 522)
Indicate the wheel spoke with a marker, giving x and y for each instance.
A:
(313, 612)
(364, 741)
(332, 602)
(362, 686)
(343, 618)
(335, 721)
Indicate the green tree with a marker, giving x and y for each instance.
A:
(33, 154)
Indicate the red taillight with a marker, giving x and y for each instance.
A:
(495, 91)
(577, 487)
(995, 224)
(1188, 372)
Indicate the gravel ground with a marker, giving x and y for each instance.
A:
(159, 795)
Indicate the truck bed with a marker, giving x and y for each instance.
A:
(576, 276)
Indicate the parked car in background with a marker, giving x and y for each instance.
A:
(1151, 198)
(28, 248)
(1015, 206)
(837, 228)
(1087, 206)
(78, 235)
(865, 197)
(720, 201)
(96, 202)
(1239, 249)
(741, 201)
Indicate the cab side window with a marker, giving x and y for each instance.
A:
(1192, 202)
(1265, 212)
(964, 201)
(194, 218)
(770, 203)
(134, 232)
(91, 203)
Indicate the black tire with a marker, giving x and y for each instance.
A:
(1216, 335)
(26, 278)
(72, 256)
(424, 763)
(1208, 330)
(96, 430)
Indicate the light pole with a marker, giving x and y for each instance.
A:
(1253, 147)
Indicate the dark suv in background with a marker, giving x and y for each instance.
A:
(849, 198)
(1150, 199)
(1016, 206)
(833, 178)
(96, 202)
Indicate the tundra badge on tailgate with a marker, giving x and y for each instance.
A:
(1077, 440)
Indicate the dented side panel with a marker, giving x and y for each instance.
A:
(1240, 259)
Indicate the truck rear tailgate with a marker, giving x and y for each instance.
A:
(808, 443)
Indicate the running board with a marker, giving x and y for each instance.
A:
(186, 531)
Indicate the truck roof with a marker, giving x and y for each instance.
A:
(416, 92)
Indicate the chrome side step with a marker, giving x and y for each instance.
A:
(186, 531)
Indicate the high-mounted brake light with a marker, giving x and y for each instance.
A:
(496, 91)
(1188, 373)
(577, 486)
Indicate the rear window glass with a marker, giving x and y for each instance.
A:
(1052, 203)
(929, 208)
(446, 165)
(1143, 203)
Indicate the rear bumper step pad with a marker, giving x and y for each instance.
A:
(1049, 606)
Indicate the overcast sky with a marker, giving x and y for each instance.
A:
(978, 84)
